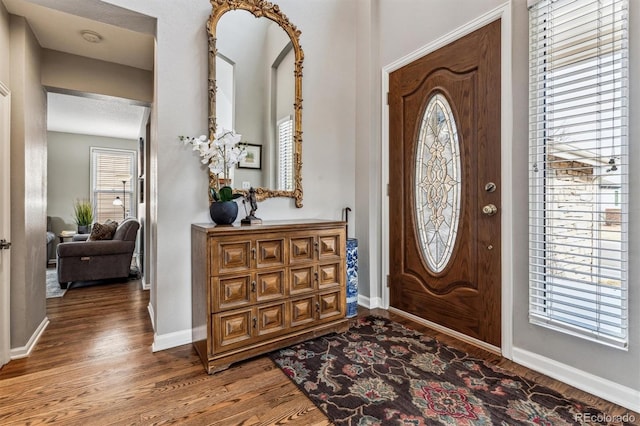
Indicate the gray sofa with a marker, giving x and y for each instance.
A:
(97, 260)
(50, 237)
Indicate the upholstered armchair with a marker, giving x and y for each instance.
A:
(97, 260)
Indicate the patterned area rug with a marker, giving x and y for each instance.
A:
(381, 373)
(53, 287)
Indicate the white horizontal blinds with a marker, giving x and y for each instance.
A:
(285, 154)
(110, 167)
(579, 167)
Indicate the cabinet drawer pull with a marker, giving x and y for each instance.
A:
(253, 286)
(84, 258)
(316, 246)
(315, 275)
(253, 253)
(255, 322)
(317, 306)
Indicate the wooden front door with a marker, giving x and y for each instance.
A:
(444, 195)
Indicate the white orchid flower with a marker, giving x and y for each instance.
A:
(221, 154)
(216, 168)
(221, 132)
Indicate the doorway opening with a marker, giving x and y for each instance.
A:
(93, 152)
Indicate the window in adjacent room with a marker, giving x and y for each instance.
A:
(578, 186)
(285, 154)
(113, 183)
(225, 93)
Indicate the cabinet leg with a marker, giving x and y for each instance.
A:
(213, 369)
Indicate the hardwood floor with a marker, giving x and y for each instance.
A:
(94, 365)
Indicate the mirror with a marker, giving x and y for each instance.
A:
(255, 88)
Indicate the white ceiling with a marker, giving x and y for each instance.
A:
(127, 39)
(88, 116)
(60, 30)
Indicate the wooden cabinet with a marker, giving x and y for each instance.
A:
(259, 288)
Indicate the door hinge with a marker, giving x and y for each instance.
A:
(388, 190)
(387, 98)
(388, 281)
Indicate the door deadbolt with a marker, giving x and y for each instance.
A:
(490, 209)
(4, 244)
(490, 187)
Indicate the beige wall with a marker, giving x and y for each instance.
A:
(366, 218)
(28, 185)
(4, 45)
(77, 73)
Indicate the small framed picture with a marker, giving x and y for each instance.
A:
(253, 160)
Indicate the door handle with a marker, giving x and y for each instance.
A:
(490, 209)
(4, 244)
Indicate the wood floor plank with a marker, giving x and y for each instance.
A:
(94, 365)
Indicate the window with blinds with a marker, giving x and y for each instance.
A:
(285, 154)
(578, 90)
(112, 179)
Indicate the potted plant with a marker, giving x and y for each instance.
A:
(83, 215)
(221, 155)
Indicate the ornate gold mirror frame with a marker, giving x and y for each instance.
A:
(260, 8)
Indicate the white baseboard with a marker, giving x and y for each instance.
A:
(171, 340)
(152, 316)
(369, 303)
(460, 336)
(603, 388)
(25, 351)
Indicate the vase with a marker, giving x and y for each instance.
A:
(223, 212)
(352, 277)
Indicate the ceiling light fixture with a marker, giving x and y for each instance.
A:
(91, 36)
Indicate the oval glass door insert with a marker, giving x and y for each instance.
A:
(437, 183)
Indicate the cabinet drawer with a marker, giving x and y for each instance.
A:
(270, 285)
(236, 291)
(230, 256)
(241, 327)
(269, 252)
(317, 307)
(272, 319)
(232, 329)
(331, 246)
(329, 275)
(301, 249)
(302, 310)
(231, 292)
(302, 279)
(330, 305)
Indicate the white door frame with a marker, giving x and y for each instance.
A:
(502, 12)
(5, 223)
